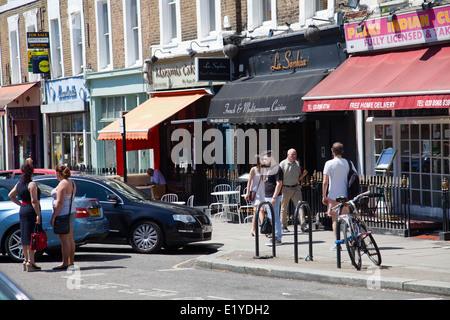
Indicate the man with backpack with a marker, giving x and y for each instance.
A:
(335, 181)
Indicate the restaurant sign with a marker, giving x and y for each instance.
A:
(412, 28)
(180, 74)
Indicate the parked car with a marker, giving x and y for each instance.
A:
(10, 291)
(17, 173)
(134, 219)
(90, 223)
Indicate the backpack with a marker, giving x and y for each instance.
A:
(352, 182)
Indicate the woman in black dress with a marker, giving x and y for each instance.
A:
(30, 213)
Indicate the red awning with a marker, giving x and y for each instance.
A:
(410, 79)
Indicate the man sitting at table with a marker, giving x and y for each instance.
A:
(156, 177)
(157, 182)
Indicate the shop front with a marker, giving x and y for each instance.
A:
(111, 93)
(273, 75)
(67, 124)
(397, 84)
(177, 102)
(21, 125)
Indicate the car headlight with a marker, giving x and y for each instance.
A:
(185, 218)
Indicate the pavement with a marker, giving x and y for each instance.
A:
(410, 264)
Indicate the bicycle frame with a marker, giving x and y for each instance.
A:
(358, 232)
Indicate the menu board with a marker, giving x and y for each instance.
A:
(386, 158)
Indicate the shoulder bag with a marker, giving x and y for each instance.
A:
(252, 194)
(62, 223)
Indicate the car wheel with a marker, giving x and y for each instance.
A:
(146, 237)
(13, 245)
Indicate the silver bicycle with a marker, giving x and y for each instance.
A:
(356, 236)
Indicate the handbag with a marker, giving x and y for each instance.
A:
(62, 223)
(266, 226)
(38, 238)
(252, 194)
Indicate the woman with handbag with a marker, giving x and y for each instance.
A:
(255, 191)
(64, 215)
(29, 214)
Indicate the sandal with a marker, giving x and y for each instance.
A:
(62, 267)
(32, 267)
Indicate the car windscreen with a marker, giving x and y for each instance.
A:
(126, 190)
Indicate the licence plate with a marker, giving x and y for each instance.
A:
(94, 212)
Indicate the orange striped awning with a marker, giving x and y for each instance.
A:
(140, 120)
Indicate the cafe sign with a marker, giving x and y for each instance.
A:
(176, 75)
(412, 28)
(289, 60)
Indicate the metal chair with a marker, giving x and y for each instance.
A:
(169, 197)
(220, 200)
(248, 208)
(190, 201)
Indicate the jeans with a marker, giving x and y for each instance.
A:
(276, 209)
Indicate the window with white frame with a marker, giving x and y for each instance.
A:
(30, 18)
(322, 9)
(170, 18)
(76, 39)
(13, 24)
(104, 41)
(133, 48)
(208, 18)
(56, 49)
(262, 13)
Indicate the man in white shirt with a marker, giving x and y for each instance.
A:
(335, 173)
(156, 177)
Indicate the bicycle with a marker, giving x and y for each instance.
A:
(357, 237)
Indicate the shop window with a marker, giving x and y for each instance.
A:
(425, 159)
(383, 139)
(71, 140)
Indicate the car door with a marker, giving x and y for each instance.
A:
(118, 218)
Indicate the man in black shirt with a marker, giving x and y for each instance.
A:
(273, 181)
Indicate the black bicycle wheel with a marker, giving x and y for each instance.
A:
(352, 244)
(369, 246)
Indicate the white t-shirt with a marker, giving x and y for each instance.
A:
(337, 170)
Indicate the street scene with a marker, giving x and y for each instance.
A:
(252, 150)
(225, 269)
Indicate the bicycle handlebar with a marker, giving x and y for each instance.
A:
(351, 202)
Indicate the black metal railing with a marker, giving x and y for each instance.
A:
(390, 211)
